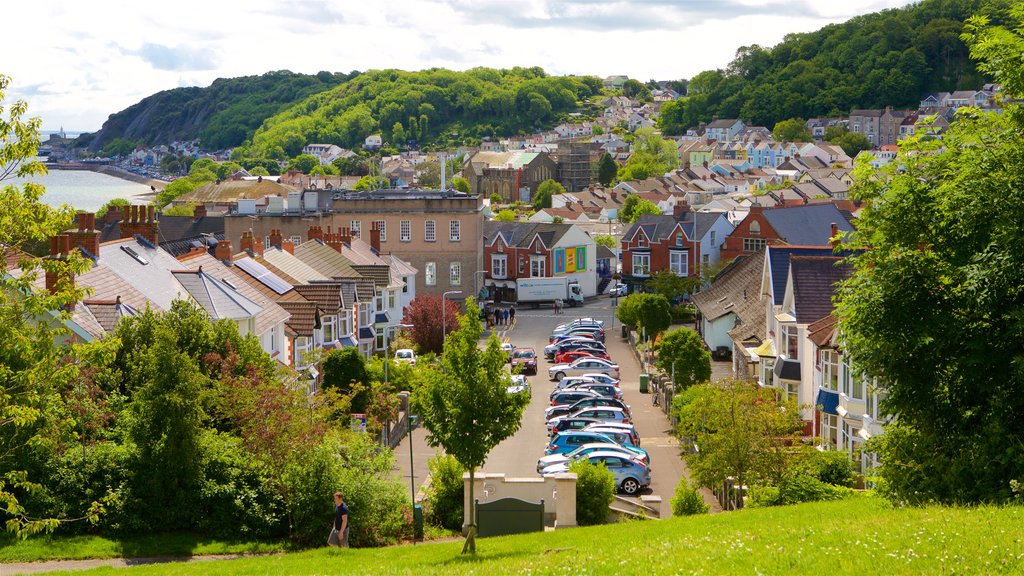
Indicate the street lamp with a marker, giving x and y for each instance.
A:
(444, 315)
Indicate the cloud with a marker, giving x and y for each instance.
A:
(175, 59)
(315, 12)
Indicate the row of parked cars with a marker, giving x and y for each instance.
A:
(588, 417)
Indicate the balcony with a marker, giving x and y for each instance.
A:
(851, 407)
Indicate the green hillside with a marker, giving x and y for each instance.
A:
(887, 58)
(428, 106)
(221, 115)
(858, 536)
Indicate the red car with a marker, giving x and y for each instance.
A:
(569, 356)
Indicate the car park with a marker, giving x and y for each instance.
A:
(526, 359)
(585, 402)
(405, 356)
(552, 459)
(630, 476)
(571, 355)
(583, 366)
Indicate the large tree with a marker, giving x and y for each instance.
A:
(682, 354)
(465, 405)
(792, 130)
(606, 169)
(933, 308)
(634, 207)
(429, 319)
(651, 156)
(545, 191)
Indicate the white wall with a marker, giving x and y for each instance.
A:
(716, 332)
(588, 278)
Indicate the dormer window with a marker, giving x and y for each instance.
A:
(755, 227)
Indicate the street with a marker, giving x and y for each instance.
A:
(517, 456)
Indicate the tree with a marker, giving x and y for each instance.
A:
(398, 137)
(351, 165)
(651, 156)
(505, 216)
(633, 207)
(259, 171)
(637, 91)
(743, 433)
(461, 184)
(649, 313)
(682, 353)
(792, 130)
(303, 163)
(933, 307)
(371, 183)
(851, 142)
(425, 314)
(545, 191)
(496, 199)
(465, 405)
(606, 240)
(672, 286)
(119, 203)
(606, 169)
(345, 371)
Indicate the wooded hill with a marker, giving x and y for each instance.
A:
(888, 58)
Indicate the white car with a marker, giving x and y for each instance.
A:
(520, 385)
(508, 348)
(553, 459)
(570, 381)
(405, 356)
(602, 378)
(618, 291)
(578, 323)
(583, 366)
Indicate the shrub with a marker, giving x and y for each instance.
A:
(832, 467)
(445, 497)
(687, 500)
(801, 487)
(236, 497)
(379, 508)
(595, 490)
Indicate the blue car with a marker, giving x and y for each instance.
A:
(565, 442)
(630, 476)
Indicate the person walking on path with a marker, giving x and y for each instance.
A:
(339, 530)
(504, 316)
(512, 314)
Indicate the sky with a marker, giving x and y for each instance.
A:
(75, 63)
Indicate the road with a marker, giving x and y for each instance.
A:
(517, 456)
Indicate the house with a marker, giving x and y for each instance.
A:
(508, 174)
(659, 243)
(606, 202)
(723, 130)
(806, 225)
(373, 142)
(866, 122)
(514, 250)
(730, 313)
(327, 153)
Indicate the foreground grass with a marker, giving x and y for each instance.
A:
(40, 548)
(858, 536)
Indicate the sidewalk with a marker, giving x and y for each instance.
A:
(70, 565)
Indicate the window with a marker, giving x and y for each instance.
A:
(755, 227)
(679, 240)
(391, 298)
(499, 266)
(430, 274)
(330, 328)
(522, 266)
(296, 240)
(379, 337)
(404, 231)
(705, 259)
(829, 369)
(355, 226)
(641, 264)
(405, 284)
(678, 262)
(383, 227)
(641, 240)
(853, 385)
(790, 342)
(378, 301)
(713, 238)
(302, 347)
(830, 430)
(455, 230)
(345, 324)
(538, 268)
(753, 244)
(430, 231)
(455, 274)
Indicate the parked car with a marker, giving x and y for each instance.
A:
(606, 390)
(526, 358)
(616, 428)
(569, 397)
(583, 366)
(618, 291)
(604, 413)
(630, 476)
(595, 332)
(567, 424)
(552, 350)
(563, 328)
(405, 356)
(571, 381)
(508, 348)
(570, 355)
(602, 378)
(585, 402)
(552, 459)
(520, 385)
(565, 442)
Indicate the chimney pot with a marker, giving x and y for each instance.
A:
(223, 250)
(288, 246)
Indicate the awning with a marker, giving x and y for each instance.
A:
(787, 369)
(785, 317)
(766, 349)
(382, 318)
(348, 342)
(827, 401)
(366, 333)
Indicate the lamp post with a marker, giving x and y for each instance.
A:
(444, 315)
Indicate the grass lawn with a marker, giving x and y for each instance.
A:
(39, 548)
(858, 536)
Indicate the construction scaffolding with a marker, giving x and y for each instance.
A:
(574, 167)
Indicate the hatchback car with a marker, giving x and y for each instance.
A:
(583, 366)
(519, 385)
(593, 332)
(405, 356)
(602, 378)
(562, 344)
(579, 322)
(556, 410)
(567, 345)
(630, 476)
(572, 381)
(565, 442)
(567, 424)
(525, 359)
(571, 355)
(570, 397)
(618, 291)
(616, 428)
(606, 390)
(508, 348)
(552, 459)
(604, 413)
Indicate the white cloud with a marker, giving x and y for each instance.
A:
(78, 62)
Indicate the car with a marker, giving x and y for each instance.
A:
(405, 356)
(593, 332)
(594, 399)
(565, 442)
(508, 348)
(569, 397)
(604, 413)
(616, 428)
(570, 381)
(526, 358)
(583, 366)
(630, 476)
(618, 291)
(563, 328)
(520, 385)
(602, 378)
(606, 390)
(552, 350)
(567, 424)
(570, 355)
(552, 459)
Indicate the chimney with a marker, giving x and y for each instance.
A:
(200, 211)
(86, 236)
(140, 220)
(333, 240)
(615, 196)
(375, 237)
(345, 235)
(288, 246)
(223, 251)
(315, 233)
(60, 246)
(833, 239)
(679, 209)
(251, 243)
(275, 238)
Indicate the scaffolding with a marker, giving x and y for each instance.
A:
(574, 165)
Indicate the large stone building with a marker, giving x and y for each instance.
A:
(508, 173)
(440, 233)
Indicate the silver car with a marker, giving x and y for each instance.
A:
(552, 459)
(583, 366)
(630, 476)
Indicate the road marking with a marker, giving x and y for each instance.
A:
(661, 441)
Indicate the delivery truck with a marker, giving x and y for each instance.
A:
(539, 291)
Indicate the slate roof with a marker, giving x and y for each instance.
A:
(657, 227)
(152, 278)
(778, 266)
(325, 260)
(736, 291)
(174, 228)
(814, 284)
(270, 313)
(357, 251)
(520, 234)
(181, 247)
(809, 225)
(216, 297)
(107, 313)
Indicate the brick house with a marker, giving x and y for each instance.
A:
(514, 250)
(807, 225)
(656, 243)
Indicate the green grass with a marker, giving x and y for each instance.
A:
(39, 548)
(857, 536)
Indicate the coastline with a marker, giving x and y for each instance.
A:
(131, 177)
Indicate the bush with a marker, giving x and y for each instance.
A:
(379, 509)
(683, 313)
(832, 467)
(687, 500)
(236, 498)
(445, 496)
(800, 488)
(595, 490)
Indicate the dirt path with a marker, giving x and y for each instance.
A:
(67, 565)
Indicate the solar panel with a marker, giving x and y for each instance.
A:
(263, 275)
